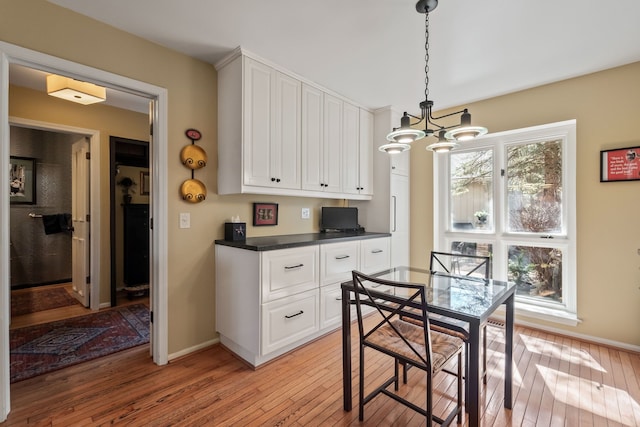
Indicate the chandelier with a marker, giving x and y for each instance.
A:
(400, 139)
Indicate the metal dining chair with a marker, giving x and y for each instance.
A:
(475, 267)
(406, 343)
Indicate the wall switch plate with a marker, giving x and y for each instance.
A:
(185, 220)
(306, 213)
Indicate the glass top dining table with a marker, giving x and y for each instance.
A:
(467, 299)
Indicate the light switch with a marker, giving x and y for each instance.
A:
(185, 220)
(305, 213)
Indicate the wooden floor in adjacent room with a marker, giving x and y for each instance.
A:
(558, 381)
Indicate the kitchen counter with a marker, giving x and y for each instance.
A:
(269, 243)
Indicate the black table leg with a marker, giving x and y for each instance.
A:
(473, 381)
(346, 350)
(508, 352)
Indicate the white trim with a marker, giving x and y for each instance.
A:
(15, 54)
(187, 351)
(583, 337)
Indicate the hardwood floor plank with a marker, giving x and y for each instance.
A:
(554, 378)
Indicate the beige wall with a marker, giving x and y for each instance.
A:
(606, 106)
(191, 85)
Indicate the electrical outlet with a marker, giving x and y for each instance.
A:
(306, 213)
(185, 220)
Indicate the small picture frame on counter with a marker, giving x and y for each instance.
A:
(234, 231)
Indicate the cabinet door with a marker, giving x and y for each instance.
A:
(351, 149)
(312, 128)
(332, 144)
(399, 217)
(258, 88)
(286, 140)
(366, 152)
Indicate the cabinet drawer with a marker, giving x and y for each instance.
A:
(288, 271)
(288, 320)
(375, 255)
(331, 306)
(337, 260)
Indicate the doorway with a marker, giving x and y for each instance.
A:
(11, 54)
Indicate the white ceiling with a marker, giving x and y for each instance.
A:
(373, 51)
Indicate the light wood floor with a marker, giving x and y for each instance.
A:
(558, 381)
(67, 312)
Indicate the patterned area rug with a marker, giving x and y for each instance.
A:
(39, 349)
(25, 302)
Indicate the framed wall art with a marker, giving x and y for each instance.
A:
(22, 180)
(621, 164)
(145, 185)
(265, 214)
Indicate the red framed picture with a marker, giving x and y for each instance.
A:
(265, 214)
(622, 164)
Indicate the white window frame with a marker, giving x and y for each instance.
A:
(565, 312)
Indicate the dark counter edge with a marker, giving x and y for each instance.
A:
(270, 243)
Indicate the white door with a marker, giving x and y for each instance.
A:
(79, 218)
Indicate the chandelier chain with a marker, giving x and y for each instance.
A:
(426, 57)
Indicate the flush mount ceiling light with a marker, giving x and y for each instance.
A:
(401, 138)
(75, 90)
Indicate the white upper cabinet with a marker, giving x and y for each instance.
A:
(357, 143)
(281, 135)
(321, 141)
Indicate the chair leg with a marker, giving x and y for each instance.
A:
(484, 354)
(361, 386)
(396, 364)
(460, 388)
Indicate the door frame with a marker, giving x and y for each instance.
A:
(94, 191)
(12, 54)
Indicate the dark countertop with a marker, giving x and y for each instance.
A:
(270, 243)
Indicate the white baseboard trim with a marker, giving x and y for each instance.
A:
(584, 337)
(193, 349)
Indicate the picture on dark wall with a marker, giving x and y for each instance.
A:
(265, 214)
(22, 180)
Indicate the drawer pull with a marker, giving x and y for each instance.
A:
(290, 267)
(376, 251)
(289, 316)
(338, 298)
(342, 256)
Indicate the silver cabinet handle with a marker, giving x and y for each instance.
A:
(286, 267)
(394, 213)
(289, 316)
(342, 256)
(376, 251)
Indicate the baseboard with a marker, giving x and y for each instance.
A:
(193, 349)
(583, 337)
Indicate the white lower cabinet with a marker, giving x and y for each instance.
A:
(288, 320)
(270, 302)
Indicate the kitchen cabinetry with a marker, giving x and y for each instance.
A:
(321, 141)
(271, 301)
(389, 209)
(259, 142)
(358, 151)
(282, 135)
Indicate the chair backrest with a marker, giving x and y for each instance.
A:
(387, 328)
(457, 264)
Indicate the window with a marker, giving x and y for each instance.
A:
(512, 195)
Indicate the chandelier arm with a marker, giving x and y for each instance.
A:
(447, 115)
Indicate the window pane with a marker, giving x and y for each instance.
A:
(537, 272)
(534, 180)
(472, 190)
(474, 248)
